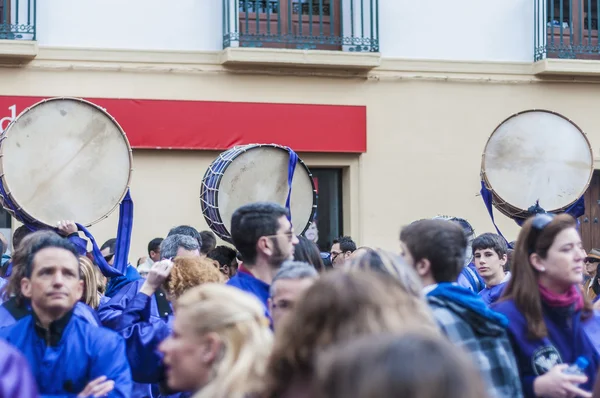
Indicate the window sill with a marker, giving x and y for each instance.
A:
(570, 67)
(299, 58)
(18, 49)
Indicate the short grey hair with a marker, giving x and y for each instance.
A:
(295, 270)
(170, 245)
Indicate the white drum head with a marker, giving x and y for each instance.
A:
(261, 175)
(538, 155)
(65, 159)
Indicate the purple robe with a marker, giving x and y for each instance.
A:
(17, 380)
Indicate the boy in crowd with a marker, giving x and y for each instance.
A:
(491, 254)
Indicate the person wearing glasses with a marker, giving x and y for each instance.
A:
(264, 236)
(549, 318)
(341, 250)
(591, 288)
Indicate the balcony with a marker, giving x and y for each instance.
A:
(337, 29)
(17, 28)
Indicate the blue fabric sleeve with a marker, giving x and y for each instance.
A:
(527, 383)
(80, 244)
(111, 361)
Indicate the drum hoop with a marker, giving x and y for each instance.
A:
(244, 149)
(495, 193)
(102, 110)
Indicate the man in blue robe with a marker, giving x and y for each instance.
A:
(143, 315)
(67, 356)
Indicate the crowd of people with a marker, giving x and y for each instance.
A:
(448, 315)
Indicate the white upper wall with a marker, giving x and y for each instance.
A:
(465, 30)
(131, 24)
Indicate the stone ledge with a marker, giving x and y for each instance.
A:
(234, 56)
(18, 49)
(570, 67)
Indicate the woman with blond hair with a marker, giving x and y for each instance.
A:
(337, 308)
(220, 343)
(91, 295)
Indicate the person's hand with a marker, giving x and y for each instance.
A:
(99, 387)
(156, 276)
(66, 227)
(556, 384)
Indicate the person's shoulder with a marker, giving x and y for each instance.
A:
(505, 306)
(14, 330)
(95, 333)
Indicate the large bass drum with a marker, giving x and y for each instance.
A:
(255, 173)
(536, 155)
(63, 159)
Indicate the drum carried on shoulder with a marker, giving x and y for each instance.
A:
(536, 157)
(256, 173)
(63, 159)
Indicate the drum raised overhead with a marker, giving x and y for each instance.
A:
(64, 159)
(536, 155)
(255, 173)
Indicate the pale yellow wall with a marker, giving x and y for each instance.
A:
(426, 134)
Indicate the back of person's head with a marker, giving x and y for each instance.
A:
(188, 231)
(388, 264)
(109, 244)
(535, 239)
(251, 222)
(491, 241)
(90, 282)
(172, 243)
(154, 245)
(224, 255)
(338, 307)
(443, 243)
(238, 319)
(410, 365)
(294, 270)
(346, 244)
(188, 272)
(18, 236)
(308, 252)
(209, 241)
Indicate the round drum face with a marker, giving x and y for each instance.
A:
(538, 155)
(261, 175)
(65, 159)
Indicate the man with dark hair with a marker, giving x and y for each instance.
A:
(264, 236)
(56, 343)
(209, 242)
(186, 230)
(108, 250)
(227, 259)
(436, 249)
(153, 256)
(341, 250)
(491, 254)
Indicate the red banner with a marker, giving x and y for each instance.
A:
(172, 124)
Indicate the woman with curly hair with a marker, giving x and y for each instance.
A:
(220, 344)
(339, 307)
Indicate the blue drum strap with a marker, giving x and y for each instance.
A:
(291, 169)
(486, 195)
(123, 241)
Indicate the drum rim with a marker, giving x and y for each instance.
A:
(495, 193)
(26, 110)
(243, 149)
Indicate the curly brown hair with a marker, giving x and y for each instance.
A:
(189, 272)
(340, 306)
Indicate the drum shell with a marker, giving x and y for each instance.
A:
(211, 186)
(25, 215)
(520, 212)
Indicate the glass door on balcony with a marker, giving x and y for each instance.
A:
(304, 24)
(572, 29)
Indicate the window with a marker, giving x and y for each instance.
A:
(572, 28)
(328, 220)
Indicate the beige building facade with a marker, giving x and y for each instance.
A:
(427, 125)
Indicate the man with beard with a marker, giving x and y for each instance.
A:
(264, 236)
